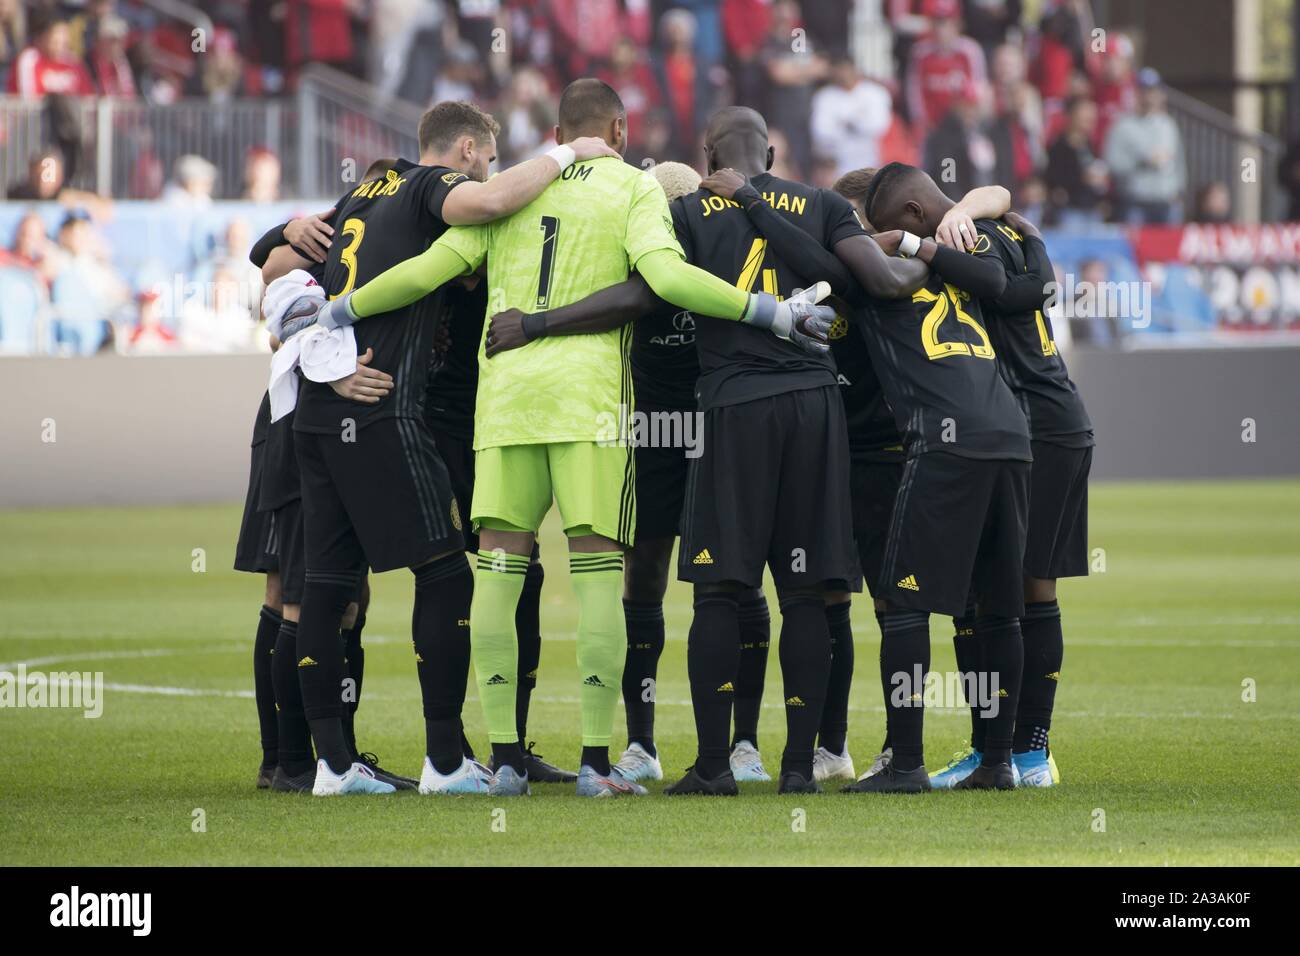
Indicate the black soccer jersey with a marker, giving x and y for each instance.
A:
(740, 363)
(453, 378)
(665, 367)
(377, 225)
(939, 374)
(873, 436)
(1022, 337)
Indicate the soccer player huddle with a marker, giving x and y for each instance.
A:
(876, 398)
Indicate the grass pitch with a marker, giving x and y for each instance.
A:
(1199, 596)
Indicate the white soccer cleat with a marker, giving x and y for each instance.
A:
(637, 764)
(470, 777)
(747, 764)
(828, 766)
(881, 761)
(356, 780)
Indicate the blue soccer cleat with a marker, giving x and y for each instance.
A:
(962, 764)
(1036, 768)
(507, 782)
(612, 784)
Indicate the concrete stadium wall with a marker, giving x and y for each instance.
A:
(176, 429)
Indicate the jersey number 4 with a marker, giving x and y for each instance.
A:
(949, 300)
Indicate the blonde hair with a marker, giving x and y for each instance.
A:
(677, 179)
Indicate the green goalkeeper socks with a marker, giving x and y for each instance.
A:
(498, 582)
(602, 640)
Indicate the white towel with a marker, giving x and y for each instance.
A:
(323, 355)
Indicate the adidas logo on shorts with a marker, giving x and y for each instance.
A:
(496, 680)
(704, 557)
(593, 681)
(909, 583)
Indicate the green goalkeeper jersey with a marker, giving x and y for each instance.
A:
(586, 231)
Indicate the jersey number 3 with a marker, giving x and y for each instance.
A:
(355, 229)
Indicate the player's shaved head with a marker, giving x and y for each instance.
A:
(737, 137)
(904, 197)
(677, 179)
(589, 107)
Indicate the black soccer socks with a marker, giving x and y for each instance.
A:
(970, 656)
(999, 683)
(835, 716)
(755, 640)
(712, 660)
(904, 663)
(805, 654)
(354, 657)
(528, 631)
(645, 644)
(1044, 652)
(321, 670)
(440, 633)
(295, 753)
(268, 629)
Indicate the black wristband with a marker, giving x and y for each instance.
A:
(747, 195)
(262, 248)
(534, 325)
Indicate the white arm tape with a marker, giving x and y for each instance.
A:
(909, 245)
(564, 155)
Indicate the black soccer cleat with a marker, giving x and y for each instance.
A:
(795, 782)
(387, 776)
(539, 771)
(301, 783)
(998, 777)
(890, 780)
(264, 777)
(723, 785)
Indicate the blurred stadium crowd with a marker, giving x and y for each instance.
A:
(977, 92)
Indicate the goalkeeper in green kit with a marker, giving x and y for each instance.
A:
(546, 421)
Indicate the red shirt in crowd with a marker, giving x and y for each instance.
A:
(937, 76)
(318, 31)
(744, 24)
(34, 74)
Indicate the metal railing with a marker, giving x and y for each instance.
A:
(1219, 150)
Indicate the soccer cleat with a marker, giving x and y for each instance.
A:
(1034, 768)
(792, 782)
(613, 784)
(264, 777)
(828, 766)
(508, 782)
(889, 780)
(880, 762)
(637, 764)
(998, 777)
(693, 784)
(357, 780)
(747, 764)
(301, 783)
(958, 769)
(396, 781)
(470, 777)
(539, 771)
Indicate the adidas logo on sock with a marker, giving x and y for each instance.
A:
(306, 662)
(795, 701)
(496, 680)
(704, 557)
(593, 681)
(909, 583)
(418, 658)
(727, 688)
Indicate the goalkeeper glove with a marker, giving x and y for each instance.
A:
(798, 319)
(334, 314)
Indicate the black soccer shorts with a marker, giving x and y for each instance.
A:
(772, 488)
(660, 484)
(1057, 546)
(874, 485)
(958, 527)
(255, 551)
(384, 499)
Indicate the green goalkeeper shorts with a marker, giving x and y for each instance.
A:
(593, 484)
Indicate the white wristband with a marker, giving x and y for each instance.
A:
(909, 245)
(564, 155)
